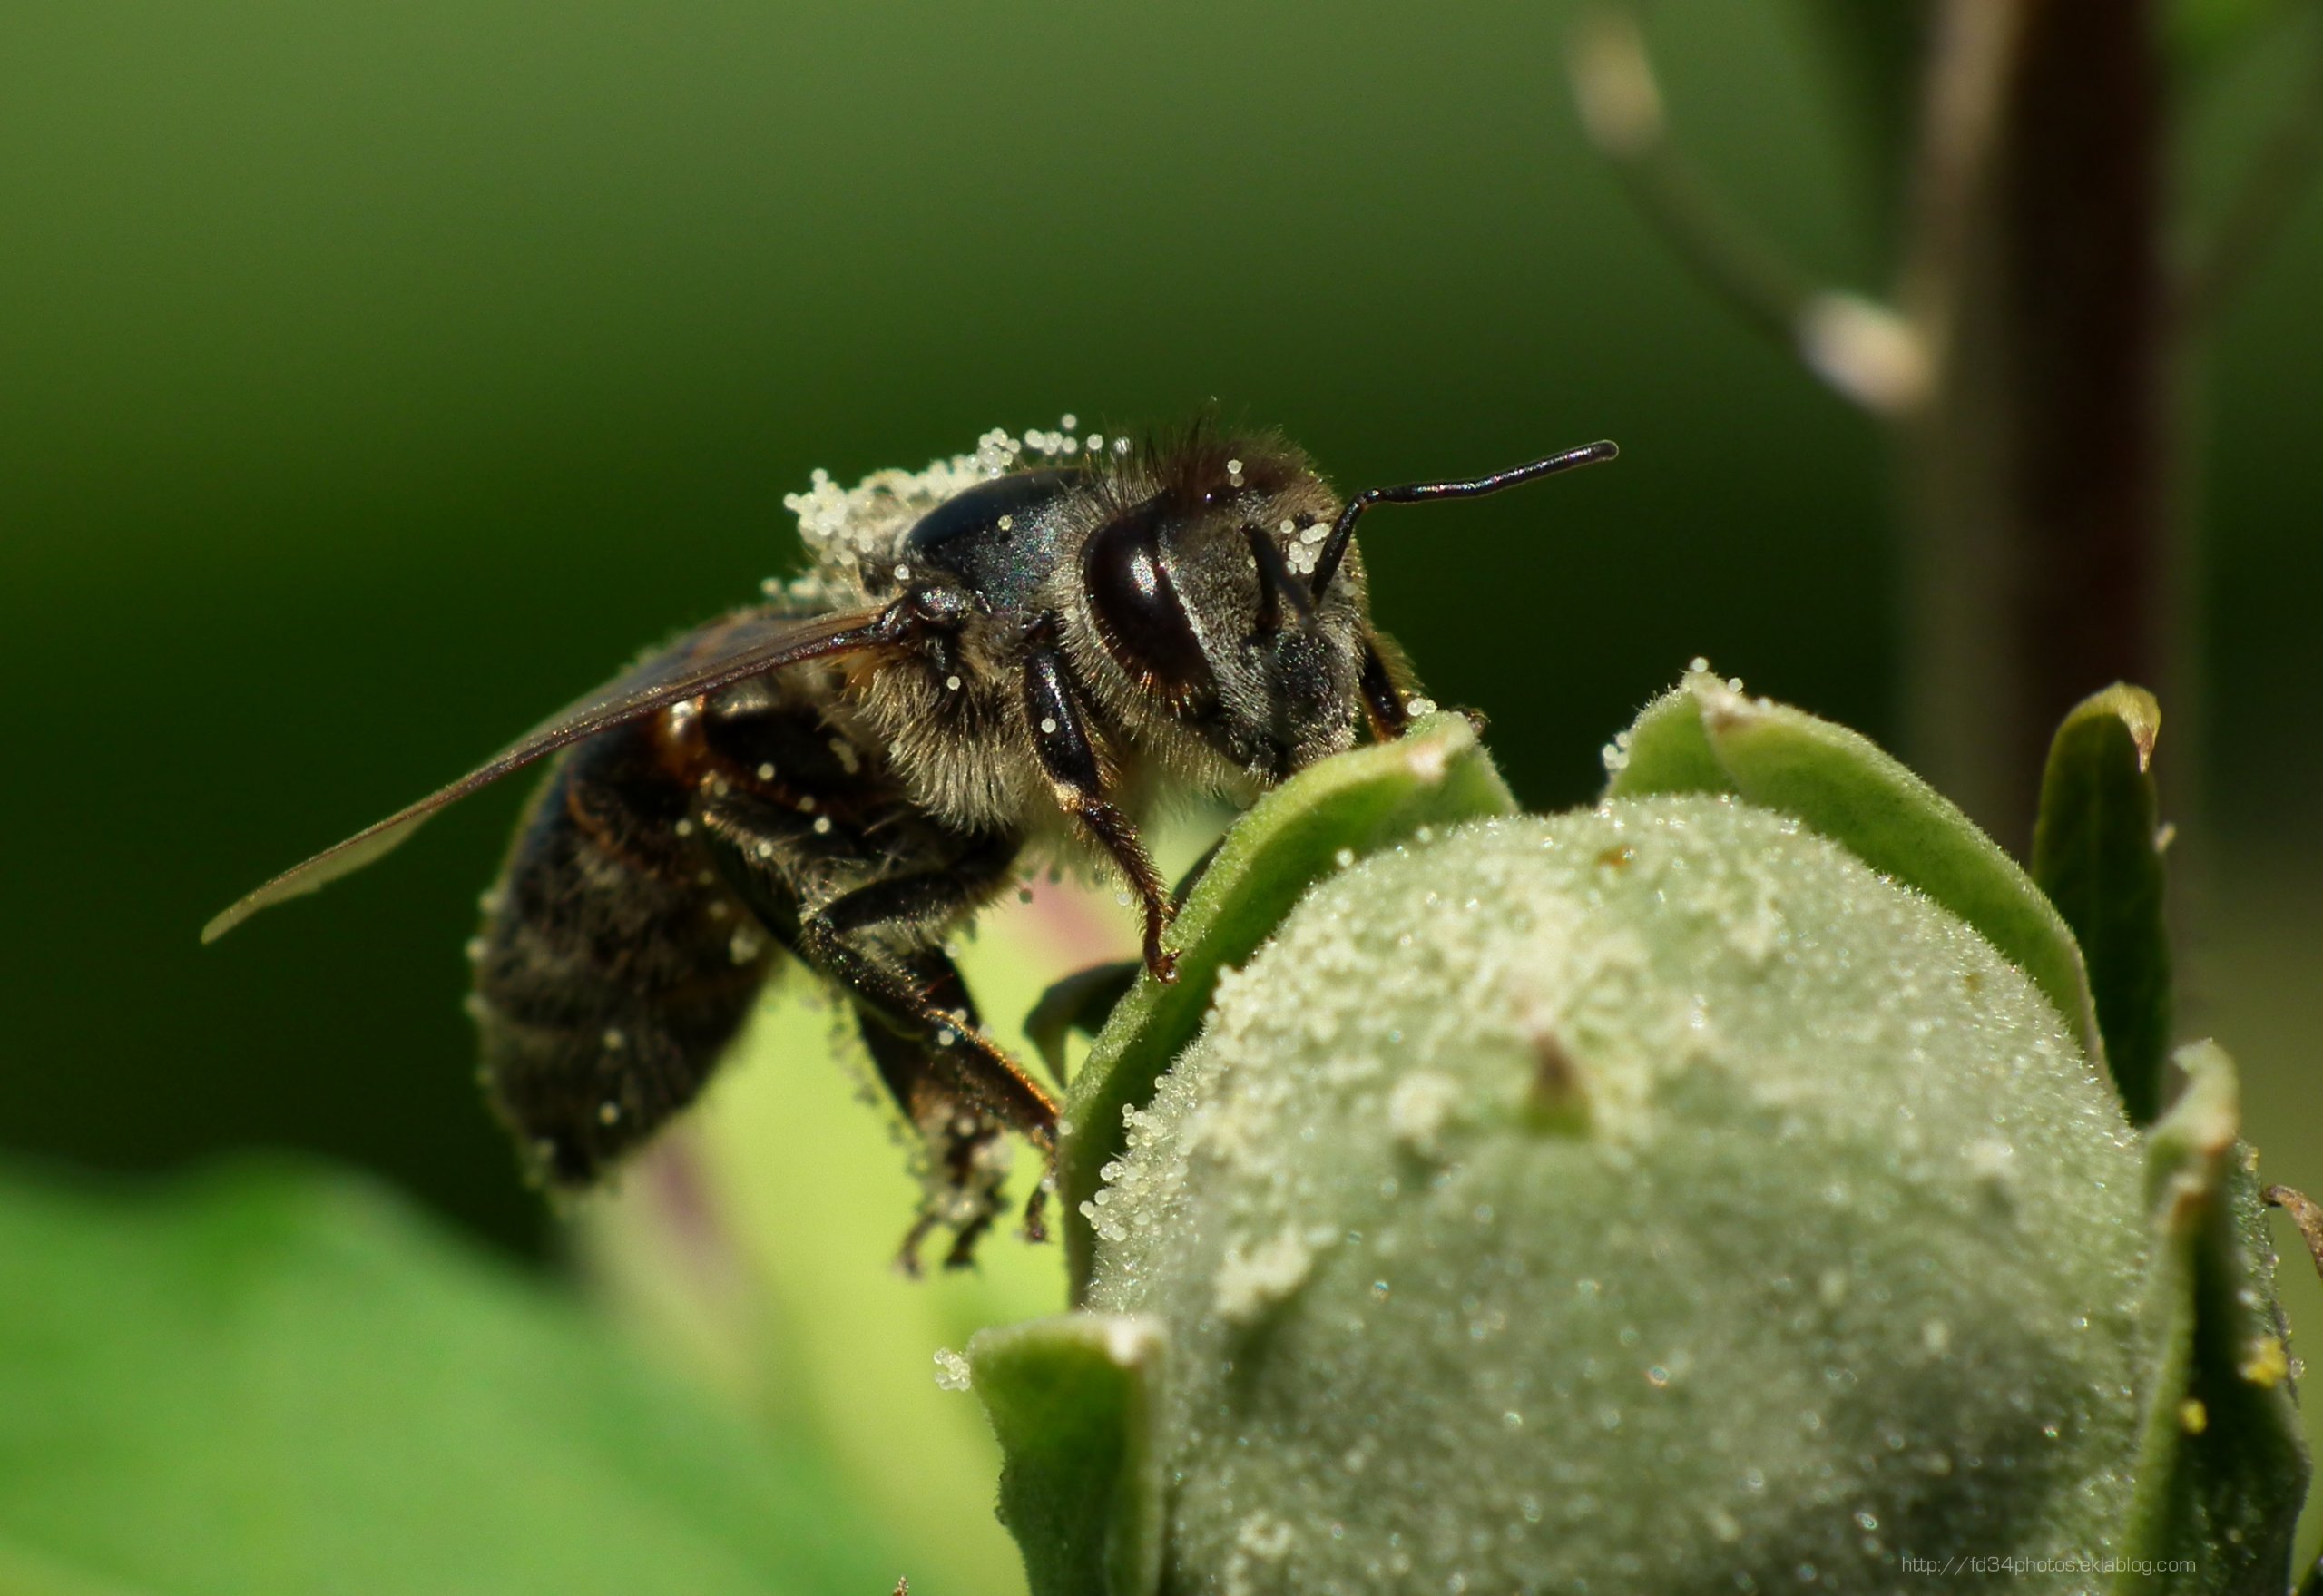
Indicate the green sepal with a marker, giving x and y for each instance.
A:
(1356, 804)
(1073, 1401)
(2222, 1464)
(1706, 735)
(2097, 853)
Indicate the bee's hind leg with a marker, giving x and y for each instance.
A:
(969, 1157)
(919, 993)
(958, 1090)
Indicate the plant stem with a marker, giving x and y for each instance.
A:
(2038, 475)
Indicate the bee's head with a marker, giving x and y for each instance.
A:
(1196, 586)
(1219, 592)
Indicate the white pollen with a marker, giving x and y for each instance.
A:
(807, 804)
(903, 573)
(766, 849)
(766, 771)
(1250, 1281)
(1048, 725)
(614, 1040)
(1069, 421)
(684, 828)
(823, 826)
(951, 684)
(1233, 468)
(1006, 522)
(1419, 1108)
(607, 1113)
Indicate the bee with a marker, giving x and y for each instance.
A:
(1023, 648)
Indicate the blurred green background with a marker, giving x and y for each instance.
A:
(374, 379)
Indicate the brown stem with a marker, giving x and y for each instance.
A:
(2037, 477)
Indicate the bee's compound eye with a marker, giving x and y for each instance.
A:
(1137, 607)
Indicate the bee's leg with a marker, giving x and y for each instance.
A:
(1069, 759)
(1388, 690)
(1383, 701)
(967, 1160)
(920, 995)
(957, 1089)
(971, 1157)
(857, 939)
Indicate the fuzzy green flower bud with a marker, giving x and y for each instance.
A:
(1652, 1198)
(1720, 1190)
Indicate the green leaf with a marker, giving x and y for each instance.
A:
(1707, 736)
(1333, 814)
(2223, 1465)
(2097, 853)
(266, 1380)
(1072, 1399)
(752, 1247)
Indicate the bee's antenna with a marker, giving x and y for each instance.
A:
(1326, 560)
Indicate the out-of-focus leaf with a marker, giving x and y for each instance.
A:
(753, 1248)
(2222, 1465)
(1315, 823)
(266, 1380)
(1071, 1400)
(1707, 736)
(2097, 853)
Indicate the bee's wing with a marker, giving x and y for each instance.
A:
(719, 654)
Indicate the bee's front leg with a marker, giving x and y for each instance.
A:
(1069, 758)
(1384, 702)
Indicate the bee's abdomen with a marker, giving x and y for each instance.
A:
(614, 968)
